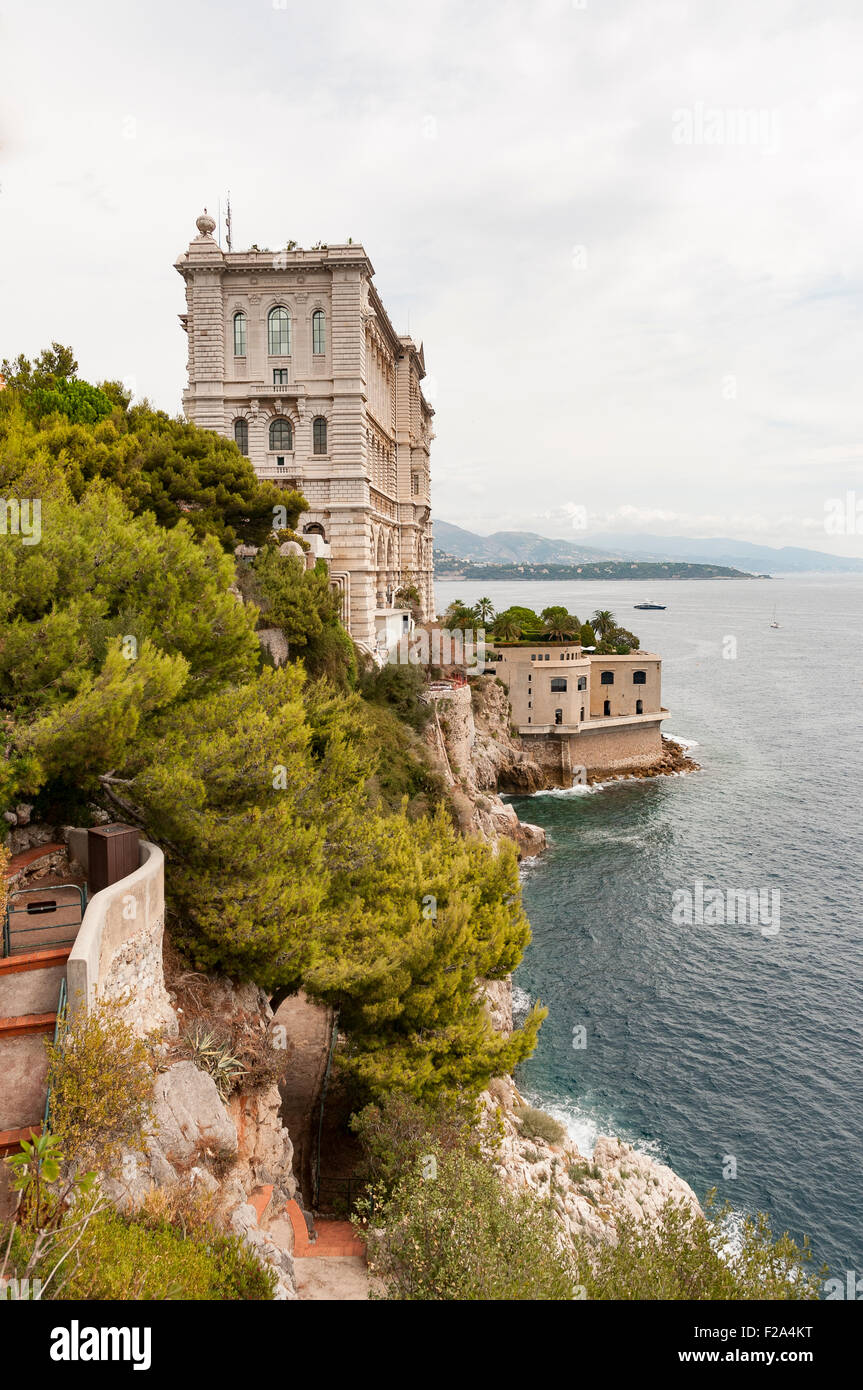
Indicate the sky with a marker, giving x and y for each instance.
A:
(627, 231)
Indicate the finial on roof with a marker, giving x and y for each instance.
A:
(206, 224)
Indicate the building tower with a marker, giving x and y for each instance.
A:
(292, 355)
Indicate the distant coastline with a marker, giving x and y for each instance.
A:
(450, 567)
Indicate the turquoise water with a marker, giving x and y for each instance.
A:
(710, 1042)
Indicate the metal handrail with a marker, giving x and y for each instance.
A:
(59, 1029)
(80, 889)
(353, 1186)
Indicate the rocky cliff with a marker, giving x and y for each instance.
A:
(236, 1149)
(588, 1194)
(470, 737)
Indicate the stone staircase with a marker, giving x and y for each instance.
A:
(30, 985)
(29, 992)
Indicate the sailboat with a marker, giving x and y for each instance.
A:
(774, 622)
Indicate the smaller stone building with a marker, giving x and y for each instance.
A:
(577, 710)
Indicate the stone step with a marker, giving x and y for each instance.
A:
(34, 989)
(24, 1069)
(10, 1139)
(16, 1025)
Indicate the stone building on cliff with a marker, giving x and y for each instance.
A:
(292, 355)
(575, 709)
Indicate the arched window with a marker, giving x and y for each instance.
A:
(558, 682)
(606, 678)
(582, 682)
(639, 707)
(319, 336)
(319, 435)
(639, 678)
(241, 436)
(558, 716)
(606, 709)
(239, 335)
(279, 332)
(281, 435)
(314, 528)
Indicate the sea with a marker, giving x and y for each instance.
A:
(724, 1041)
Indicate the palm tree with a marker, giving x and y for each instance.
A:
(458, 615)
(559, 624)
(603, 623)
(485, 611)
(507, 629)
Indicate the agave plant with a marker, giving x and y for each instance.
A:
(214, 1056)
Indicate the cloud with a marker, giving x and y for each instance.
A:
(610, 317)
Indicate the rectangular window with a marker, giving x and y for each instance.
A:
(607, 678)
(280, 376)
(558, 682)
(582, 682)
(639, 678)
(415, 484)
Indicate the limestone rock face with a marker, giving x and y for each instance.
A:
(231, 1149)
(497, 996)
(274, 641)
(587, 1195)
(470, 734)
(264, 1150)
(244, 1223)
(189, 1116)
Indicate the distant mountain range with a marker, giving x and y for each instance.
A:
(528, 548)
(511, 547)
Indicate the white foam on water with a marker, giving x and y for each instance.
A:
(528, 867)
(580, 789)
(582, 1125)
(685, 743)
(521, 1002)
(730, 1243)
(578, 1123)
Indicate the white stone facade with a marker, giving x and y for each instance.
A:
(292, 354)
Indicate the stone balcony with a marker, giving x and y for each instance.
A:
(262, 388)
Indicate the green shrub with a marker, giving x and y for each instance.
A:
(399, 688)
(578, 1172)
(465, 1236)
(536, 1124)
(101, 1085)
(686, 1256)
(142, 1257)
(398, 1130)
